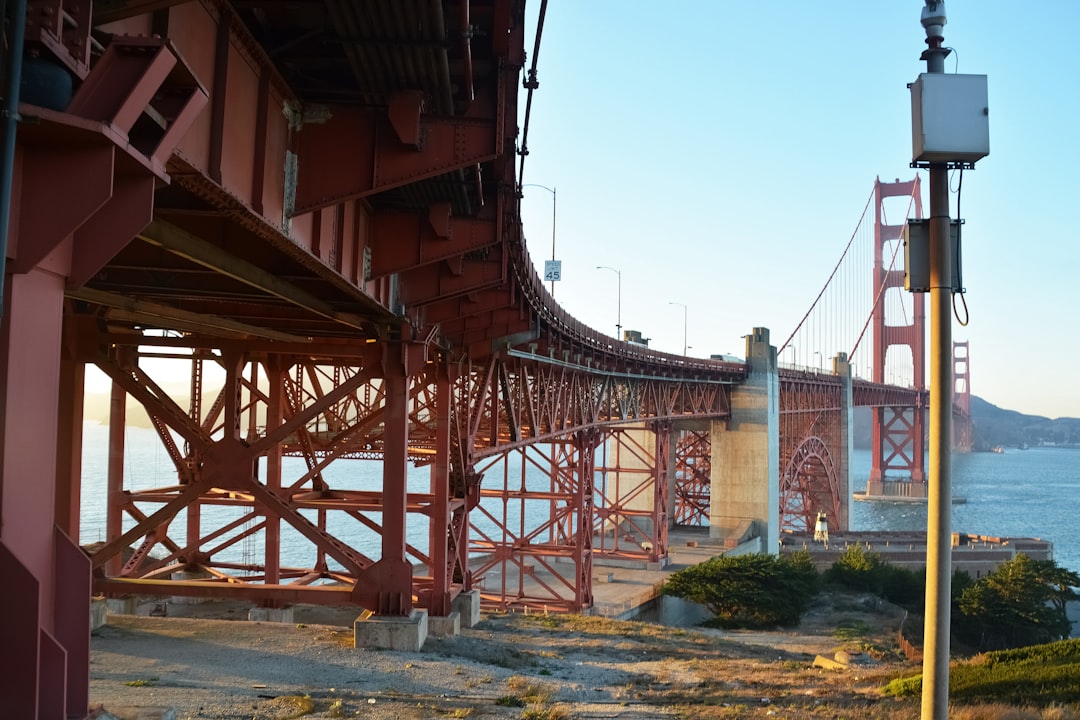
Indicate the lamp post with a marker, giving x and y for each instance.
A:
(683, 324)
(554, 205)
(794, 356)
(818, 353)
(618, 306)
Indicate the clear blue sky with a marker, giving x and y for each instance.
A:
(720, 154)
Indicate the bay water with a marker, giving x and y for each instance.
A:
(1028, 493)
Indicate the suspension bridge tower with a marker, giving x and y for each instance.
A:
(963, 427)
(898, 465)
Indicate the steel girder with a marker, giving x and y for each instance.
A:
(518, 399)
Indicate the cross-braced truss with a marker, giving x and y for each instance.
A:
(282, 455)
(693, 478)
(631, 493)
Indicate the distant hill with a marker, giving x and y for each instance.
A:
(1008, 428)
(996, 426)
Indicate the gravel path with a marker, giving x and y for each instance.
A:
(569, 665)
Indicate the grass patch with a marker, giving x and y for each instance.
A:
(852, 630)
(539, 711)
(142, 682)
(529, 691)
(1034, 676)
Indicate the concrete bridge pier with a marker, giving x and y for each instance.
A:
(745, 490)
(842, 370)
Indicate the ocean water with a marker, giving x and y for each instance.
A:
(1018, 493)
(1031, 493)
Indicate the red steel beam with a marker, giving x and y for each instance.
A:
(379, 161)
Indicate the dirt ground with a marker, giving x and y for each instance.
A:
(509, 666)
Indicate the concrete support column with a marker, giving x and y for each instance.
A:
(745, 490)
(672, 446)
(842, 370)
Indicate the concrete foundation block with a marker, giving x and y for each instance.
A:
(828, 663)
(467, 605)
(189, 575)
(449, 625)
(273, 615)
(406, 634)
(99, 610)
(127, 605)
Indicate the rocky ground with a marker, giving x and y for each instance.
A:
(509, 666)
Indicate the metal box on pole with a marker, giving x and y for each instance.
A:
(950, 118)
(917, 255)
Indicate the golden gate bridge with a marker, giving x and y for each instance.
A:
(313, 212)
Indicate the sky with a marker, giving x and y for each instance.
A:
(719, 154)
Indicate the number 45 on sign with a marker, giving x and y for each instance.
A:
(552, 270)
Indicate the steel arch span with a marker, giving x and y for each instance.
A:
(809, 484)
(813, 437)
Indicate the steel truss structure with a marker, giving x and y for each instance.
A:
(322, 227)
(571, 466)
(693, 478)
(811, 451)
(508, 443)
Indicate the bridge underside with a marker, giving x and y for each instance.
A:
(294, 250)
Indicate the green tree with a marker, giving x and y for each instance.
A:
(754, 590)
(1020, 603)
(858, 568)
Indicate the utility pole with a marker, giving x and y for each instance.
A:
(950, 130)
(937, 627)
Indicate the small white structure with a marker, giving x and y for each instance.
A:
(821, 529)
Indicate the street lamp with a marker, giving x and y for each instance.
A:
(794, 356)
(683, 324)
(554, 204)
(818, 353)
(618, 307)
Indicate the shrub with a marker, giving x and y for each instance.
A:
(753, 590)
(1038, 675)
(857, 569)
(1022, 602)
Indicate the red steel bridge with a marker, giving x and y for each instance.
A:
(309, 212)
